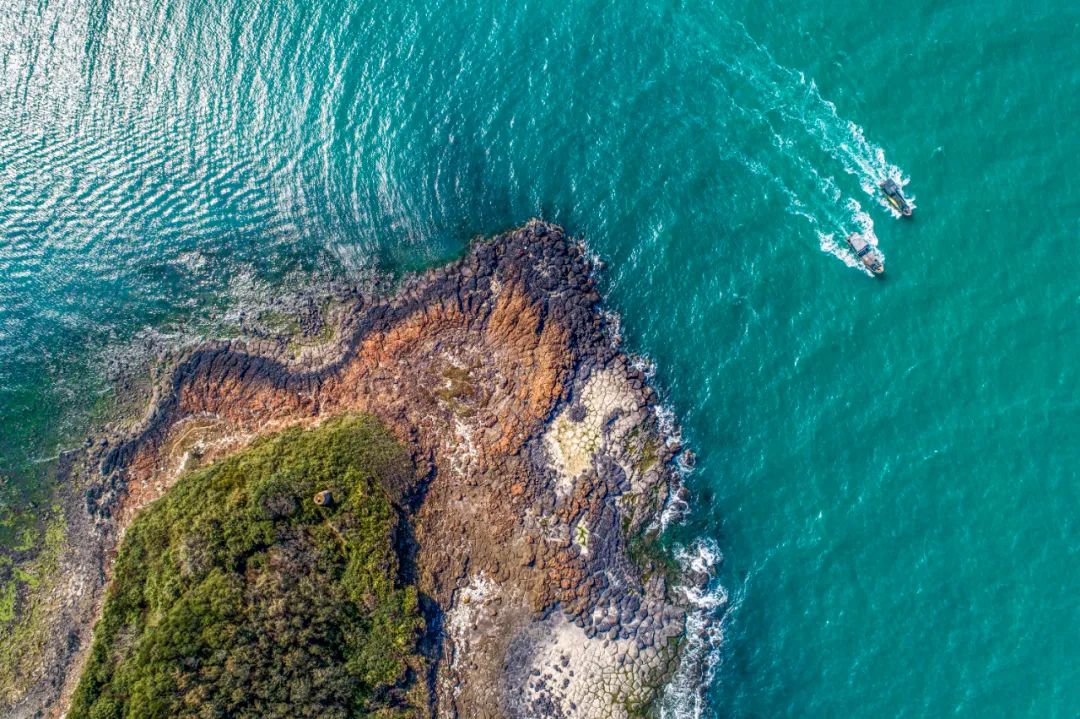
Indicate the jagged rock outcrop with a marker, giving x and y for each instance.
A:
(541, 460)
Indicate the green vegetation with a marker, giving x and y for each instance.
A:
(645, 446)
(457, 383)
(279, 322)
(7, 602)
(649, 454)
(648, 552)
(236, 596)
(581, 535)
(27, 594)
(645, 548)
(287, 324)
(459, 386)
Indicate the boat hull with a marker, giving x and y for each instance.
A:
(869, 255)
(896, 198)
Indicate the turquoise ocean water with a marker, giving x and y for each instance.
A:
(889, 467)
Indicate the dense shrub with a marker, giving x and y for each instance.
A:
(236, 596)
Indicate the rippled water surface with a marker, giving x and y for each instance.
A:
(889, 466)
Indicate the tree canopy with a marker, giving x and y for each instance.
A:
(235, 595)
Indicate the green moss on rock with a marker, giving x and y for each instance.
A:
(28, 592)
(236, 595)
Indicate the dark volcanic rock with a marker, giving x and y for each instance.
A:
(540, 456)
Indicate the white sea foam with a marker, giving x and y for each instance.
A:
(645, 365)
(685, 696)
(612, 326)
(824, 208)
(829, 245)
(863, 221)
(864, 225)
(799, 101)
(801, 134)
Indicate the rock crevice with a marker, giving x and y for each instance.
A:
(540, 459)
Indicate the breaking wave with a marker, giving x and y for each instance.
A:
(685, 695)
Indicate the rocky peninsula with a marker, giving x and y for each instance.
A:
(540, 470)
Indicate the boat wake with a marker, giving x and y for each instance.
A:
(865, 225)
(829, 245)
(790, 130)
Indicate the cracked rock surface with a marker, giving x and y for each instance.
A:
(540, 461)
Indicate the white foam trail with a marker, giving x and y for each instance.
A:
(863, 221)
(822, 203)
(829, 245)
(836, 220)
(799, 101)
(685, 695)
(799, 123)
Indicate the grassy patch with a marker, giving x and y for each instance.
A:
(457, 389)
(649, 455)
(645, 446)
(235, 595)
(7, 601)
(27, 593)
(282, 323)
(458, 384)
(581, 535)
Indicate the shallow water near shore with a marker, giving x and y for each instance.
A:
(888, 466)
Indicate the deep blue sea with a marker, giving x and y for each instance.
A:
(890, 467)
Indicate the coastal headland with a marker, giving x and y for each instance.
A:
(528, 522)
